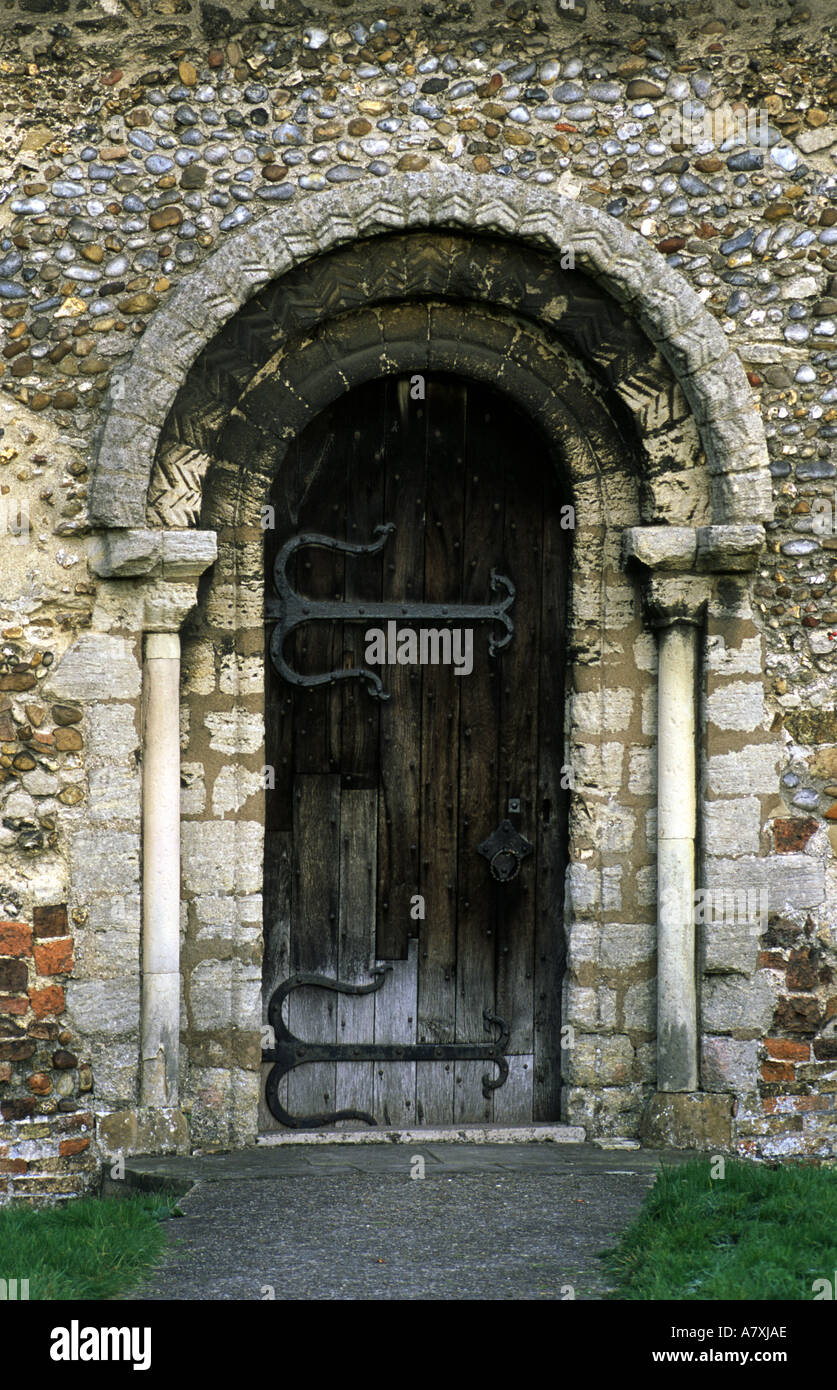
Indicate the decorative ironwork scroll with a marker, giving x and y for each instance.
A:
(288, 1051)
(292, 610)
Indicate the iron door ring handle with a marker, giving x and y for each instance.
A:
(505, 847)
(507, 852)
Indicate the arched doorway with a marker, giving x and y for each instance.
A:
(632, 382)
(386, 790)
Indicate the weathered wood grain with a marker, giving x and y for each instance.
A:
(399, 811)
(278, 876)
(553, 802)
(523, 496)
(364, 442)
(440, 769)
(356, 955)
(514, 1098)
(395, 1022)
(478, 892)
(312, 1013)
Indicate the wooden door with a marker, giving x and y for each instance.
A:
(378, 807)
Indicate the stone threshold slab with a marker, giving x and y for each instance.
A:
(454, 1134)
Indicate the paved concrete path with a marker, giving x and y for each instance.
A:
(488, 1221)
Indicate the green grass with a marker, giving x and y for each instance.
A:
(88, 1248)
(757, 1234)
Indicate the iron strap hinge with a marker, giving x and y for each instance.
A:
(292, 610)
(288, 1051)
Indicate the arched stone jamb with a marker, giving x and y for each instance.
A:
(605, 617)
(667, 308)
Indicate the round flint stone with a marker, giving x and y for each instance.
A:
(343, 173)
(607, 92)
(692, 185)
(10, 265)
(420, 107)
(785, 157)
(746, 160)
(288, 133)
(276, 192)
(799, 547)
(809, 469)
(235, 218)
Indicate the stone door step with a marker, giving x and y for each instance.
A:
(453, 1134)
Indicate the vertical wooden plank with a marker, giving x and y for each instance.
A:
(356, 1013)
(553, 806)
(312, 1013)
(478, 795)
(364, 442)
(395, 1022)
(440, 768)
(470, 1106)
(277, 941)
(400, 716)
(513, 1100)
(522, 463)
(320, 574)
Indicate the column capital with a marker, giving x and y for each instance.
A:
(171, 563)
(168, 555)
(166, 606)
(693, 549)
(670, 599)
(676, 565)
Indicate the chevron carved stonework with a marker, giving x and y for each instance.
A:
(174, 497)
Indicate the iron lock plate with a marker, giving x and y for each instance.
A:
(505, 849)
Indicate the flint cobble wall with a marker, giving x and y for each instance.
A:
(137, 137)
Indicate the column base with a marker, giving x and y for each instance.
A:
(688, 1120)
(145, 1131)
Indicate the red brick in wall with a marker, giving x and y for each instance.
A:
(46, 1126)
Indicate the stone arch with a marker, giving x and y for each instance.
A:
(619, 260)
(286, 335)
(618, 340)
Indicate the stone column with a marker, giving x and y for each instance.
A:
(160, 1008)
(676, 564)
(168, 566)
(675, 608)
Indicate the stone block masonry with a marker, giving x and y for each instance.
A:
(47, 1126)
